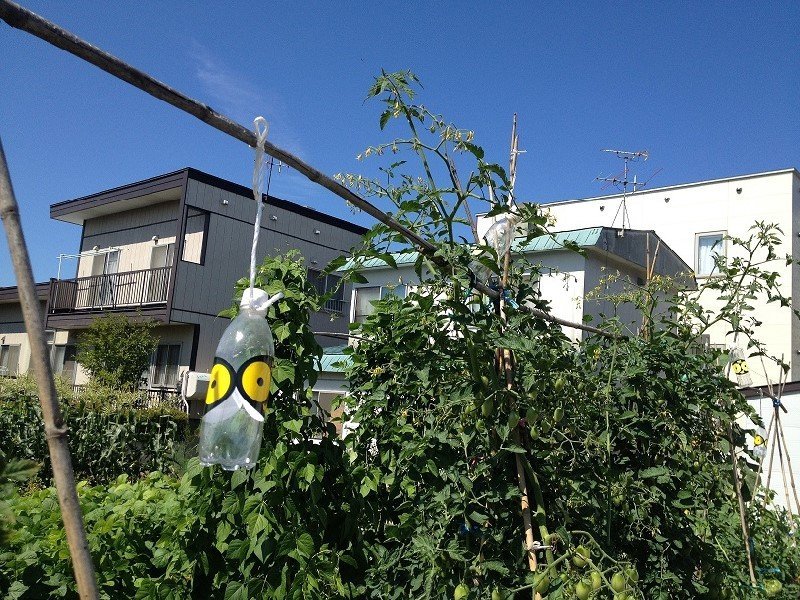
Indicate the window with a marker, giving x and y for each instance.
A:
(323, 403)
(365, 296)
(161, 257)
(326, 284)
(164, 366)
(195, 236)
(9, 360)
(64, 362)
(709, 245)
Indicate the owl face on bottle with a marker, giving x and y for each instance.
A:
(252, 381)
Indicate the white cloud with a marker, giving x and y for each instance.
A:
(240, 99)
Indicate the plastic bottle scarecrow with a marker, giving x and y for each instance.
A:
(231, 429)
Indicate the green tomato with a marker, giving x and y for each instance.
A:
(461, 592)
(543, 583)
(581, 554)
(597, 580)
(632, 574)
(582, 590)
(619, 582)
(488, 408)
(773, 587)
(558, 414)
(559, 384)
(621, 596)
(497, 595)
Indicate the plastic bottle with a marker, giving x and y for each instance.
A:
(231, 429)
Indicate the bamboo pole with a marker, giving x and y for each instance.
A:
(737, 484)
(54, 428)
(789, 464)
(506, 364)
(25, 20)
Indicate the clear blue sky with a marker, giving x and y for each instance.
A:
(710, 89)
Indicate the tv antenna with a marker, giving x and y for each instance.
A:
(622, 182)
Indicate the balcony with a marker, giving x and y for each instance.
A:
(110, 292)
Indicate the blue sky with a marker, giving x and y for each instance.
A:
(711, 89)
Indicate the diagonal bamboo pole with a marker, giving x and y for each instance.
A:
(25, 20)
(54, 427)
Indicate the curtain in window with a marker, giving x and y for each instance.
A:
(9, 360)
(708, 246)
(364, 296)
(165, 366)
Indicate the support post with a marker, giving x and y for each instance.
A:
(54, 428)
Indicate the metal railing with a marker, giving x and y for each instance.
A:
(335, 305)
(115, 290)
(150, 398)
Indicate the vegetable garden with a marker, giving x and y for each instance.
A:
(624, 441)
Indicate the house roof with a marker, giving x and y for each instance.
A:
(678, 186)
(629, 245)
(11, 293)
(331, 359)
(167, 187)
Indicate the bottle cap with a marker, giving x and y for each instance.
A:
(258, 301)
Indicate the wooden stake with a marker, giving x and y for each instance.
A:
(54, 428)
(506, 364)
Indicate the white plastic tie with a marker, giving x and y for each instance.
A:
(261, 130)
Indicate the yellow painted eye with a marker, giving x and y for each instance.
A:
(220, 384)
(758, 440)
(254, 379)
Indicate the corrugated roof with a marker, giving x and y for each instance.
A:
(581, 237)
(544, 243)
(407, 257)
(329, 363)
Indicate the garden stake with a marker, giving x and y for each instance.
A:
(505, 364)
(737, 484)
(54, 428)
(25, 20)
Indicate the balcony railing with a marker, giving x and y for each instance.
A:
(116, 290)
(335, 305)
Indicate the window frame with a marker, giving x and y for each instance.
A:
(724, 251)
(200, 212)
(152, 371)
(325, 283)
(384, 291)
(5, 352)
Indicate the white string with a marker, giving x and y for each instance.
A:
(261, 130)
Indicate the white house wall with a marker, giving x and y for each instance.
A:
(562, 282)
(710, 207)
(791, 430)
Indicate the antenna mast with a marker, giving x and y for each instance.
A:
(622, 182)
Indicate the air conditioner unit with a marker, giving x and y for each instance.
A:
(195, 385)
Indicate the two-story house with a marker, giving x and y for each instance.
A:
(171, 248)
(608, 262)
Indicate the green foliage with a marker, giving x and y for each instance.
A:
(12, 472)
(116, 351)
(623, 444)
(107, 435)
(287, 529)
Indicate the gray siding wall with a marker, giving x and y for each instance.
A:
(130, 219)
(11, 320)
(201, 291)
(135, 226)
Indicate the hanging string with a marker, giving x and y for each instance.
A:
(261, 130)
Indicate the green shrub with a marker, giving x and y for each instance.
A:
(107, 436)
